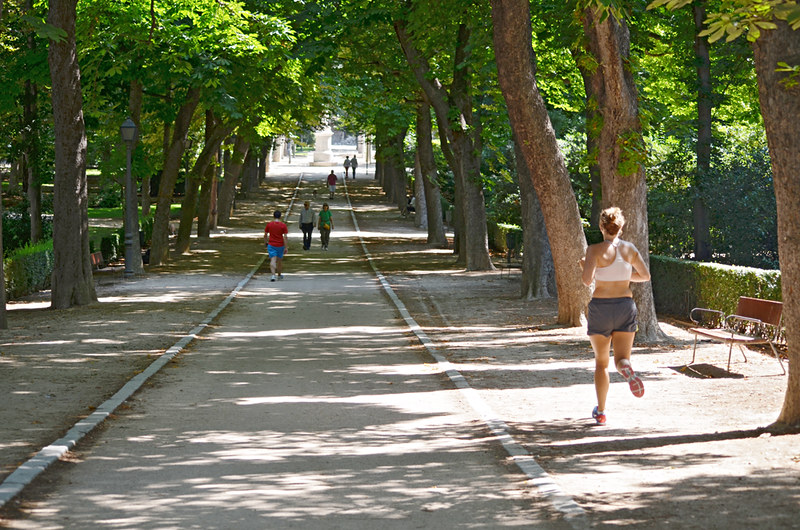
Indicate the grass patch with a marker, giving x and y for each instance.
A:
(116, 213)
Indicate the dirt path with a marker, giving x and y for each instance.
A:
(688, 454)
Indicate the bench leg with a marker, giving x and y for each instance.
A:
(775, 352)
(730, 352)
(694, 350)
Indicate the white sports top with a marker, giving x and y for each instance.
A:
(619, 270)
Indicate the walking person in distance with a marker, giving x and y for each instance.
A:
(325, 225)
(612, 265)
(331, 184)
(276, 237)
(307, 221)
(346, 166)
(353, 166)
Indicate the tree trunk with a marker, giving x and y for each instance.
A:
(135, 106)
(215, 134)
(620, 154)
(233, 169)
(700, 211)
(72, 282)
(780, 107)
(538, 272)
(30, 135)
(207, 215)
(593, 118)
(395, 163)
(421, 210)
(427, 164)
(159, 250)
(537, 140)
(466, 148)
(263, 161)
(3, 319)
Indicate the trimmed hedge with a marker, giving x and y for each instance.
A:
(680, 285)
(28, 269)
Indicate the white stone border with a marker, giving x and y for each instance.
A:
(537, 476)
(25, 473)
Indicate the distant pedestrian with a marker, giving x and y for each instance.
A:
(276, 237)
(612, 265)
(331, 184)
(325, 225)
(353, 166)
(307, 221)
(346, 166)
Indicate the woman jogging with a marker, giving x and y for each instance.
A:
(612, 265)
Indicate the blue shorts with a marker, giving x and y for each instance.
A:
(275, 252)
(607, 315)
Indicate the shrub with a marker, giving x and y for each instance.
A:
(109, 247)
(680, 285)
(28, 269)
(17, 228)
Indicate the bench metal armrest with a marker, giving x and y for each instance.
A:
(695, 314)
(753, 326)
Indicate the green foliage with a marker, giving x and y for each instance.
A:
(734, 18)
(110, 246)
(17, 228)
(737, 190)
(679, 285)
(28, 269)
(146, 227)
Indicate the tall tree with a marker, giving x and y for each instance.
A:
(72, 282)
(774, 30)
(31, 142)
(427, 163)
(159, 250)
(216, 132)
(232, 172)
(777, 55)
(620, 145)
(458, 122)
(537, 140)
(538, 274)
(700, 210)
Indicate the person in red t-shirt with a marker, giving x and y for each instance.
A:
(331, 184)
(276, 237)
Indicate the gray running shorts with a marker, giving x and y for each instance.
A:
(607, 315)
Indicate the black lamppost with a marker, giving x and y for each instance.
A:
(129, 132)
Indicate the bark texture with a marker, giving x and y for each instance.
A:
(3, 318)
(700, 211)
(72, 275)
(537, 140)
(538, 272)
(780, 107)
(216, 132)
(159, 250)
(30, 142)
(620, 154)
(135, 107)
(427, 166)
(232, 172)
(462, 131)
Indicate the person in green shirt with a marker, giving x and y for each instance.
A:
(325, 225)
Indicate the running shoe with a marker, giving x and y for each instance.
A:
(635, 384)
(599, 417)
(273, 278)
(280, 276)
